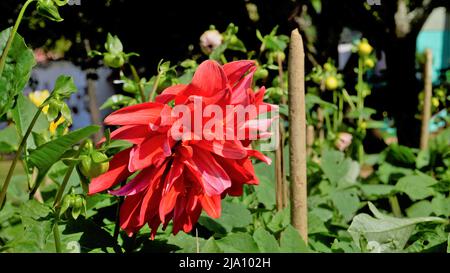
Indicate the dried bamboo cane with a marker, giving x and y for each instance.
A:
(297, 134)
(428, 88)
(279, 169)
(279, 176)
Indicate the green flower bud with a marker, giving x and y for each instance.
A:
(94, 165)
(281, 55)
(261, 73)
(48, 9)
(113, 61)
(328, 67)
(130, 87)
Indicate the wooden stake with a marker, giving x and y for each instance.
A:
(297, 135)
(428, 89)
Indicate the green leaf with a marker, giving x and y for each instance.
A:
(266, 242)
(315, 224)
(312, 100)
(48, 154)
(338, 169)
(210, 246)
(265, 192)
(441, 205)
(317, 5)
(117, 101)
(238, 243)
(423, 159)
(448, 243)
(420, 209)
(417, 187)
(17, 71)
(37, 227)
(279, 221)
(291, 242)
(384, 233)
(429, 240)
(64, 87)
(376, 191)
(401, 156)
(234, 215)
(22, 115)
(346, 202)
(388, 172)
(9, 141)
(186, 243)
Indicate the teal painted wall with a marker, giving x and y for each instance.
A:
(439, 42)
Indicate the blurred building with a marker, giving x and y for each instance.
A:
(435, 35)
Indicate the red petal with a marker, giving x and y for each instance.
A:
(132, 133)
(117, 172)
(170, 93)
(236, 70)
(139, 114)
(210, 174)
(241, 92)
(208, 79)
(211, 205)
(149, 152)
(226, 148)
(169, 199)
(130, 219)
(260, 156)
(137, 184)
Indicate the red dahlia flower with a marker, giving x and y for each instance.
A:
(182, 171)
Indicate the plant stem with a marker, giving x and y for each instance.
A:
(341, 109)
(360, 106)
(395, 206)
(155, 87)
(57, 202)
(336, 112)
(12, 35)
(56, 235)
(138, 81)
(117, 248)
(223, 59)
(359, 90)
(59, 194)
(17, 156)
(348, 99)
(281, 191)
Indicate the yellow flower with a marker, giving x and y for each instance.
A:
(38, 98)
(364, 48)
(369, 63)
(55, 125)
(435, 102)
(331, 83)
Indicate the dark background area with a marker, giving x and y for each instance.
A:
(154, 29)
(165, 30)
